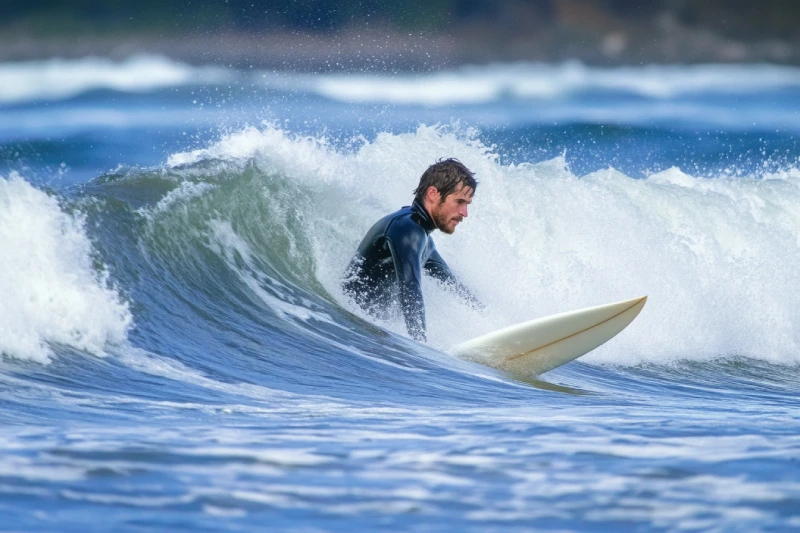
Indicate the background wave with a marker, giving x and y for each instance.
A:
(56, 79)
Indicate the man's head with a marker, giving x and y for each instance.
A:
(445, 191)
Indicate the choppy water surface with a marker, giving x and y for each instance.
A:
(177, 354)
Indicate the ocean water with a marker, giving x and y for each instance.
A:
(177, 354)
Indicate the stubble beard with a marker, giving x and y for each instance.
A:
(442, 223)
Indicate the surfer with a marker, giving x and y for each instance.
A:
(389, 262)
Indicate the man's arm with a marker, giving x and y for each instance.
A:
(438, 269)
(407, 243)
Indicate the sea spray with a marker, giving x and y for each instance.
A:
(50, 290)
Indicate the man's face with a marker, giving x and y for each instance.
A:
(447, 215)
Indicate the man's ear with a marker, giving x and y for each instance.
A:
(433, 195)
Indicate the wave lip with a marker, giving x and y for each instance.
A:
(50, 292)
(56, 79)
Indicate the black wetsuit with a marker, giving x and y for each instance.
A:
(388, 267)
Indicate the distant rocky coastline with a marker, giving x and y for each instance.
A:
(391, 50)
(593, 32)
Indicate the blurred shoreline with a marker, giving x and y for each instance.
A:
(667, 42)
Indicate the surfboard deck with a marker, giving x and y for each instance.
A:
(540, 345)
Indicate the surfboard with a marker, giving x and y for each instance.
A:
(540, 345)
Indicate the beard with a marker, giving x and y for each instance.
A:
(443, 222)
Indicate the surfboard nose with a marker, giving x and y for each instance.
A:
(634, 301)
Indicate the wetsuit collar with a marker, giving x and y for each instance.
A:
(423, 217)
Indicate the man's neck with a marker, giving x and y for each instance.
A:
(430, 222)
(427, 207)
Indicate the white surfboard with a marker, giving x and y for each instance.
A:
(536, 346)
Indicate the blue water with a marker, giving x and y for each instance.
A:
(177, 354)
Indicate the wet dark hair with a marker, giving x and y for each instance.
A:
(445, 175)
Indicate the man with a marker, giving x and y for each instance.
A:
(390, 260)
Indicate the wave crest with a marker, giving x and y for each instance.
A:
(51, 292)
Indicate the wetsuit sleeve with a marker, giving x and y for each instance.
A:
(438, 269)
(407, 245)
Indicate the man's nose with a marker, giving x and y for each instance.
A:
(464, 212)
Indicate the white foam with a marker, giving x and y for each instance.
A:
(53, 79)
(483, 84)
(227, 512)
(717, 257)
(293, 156)
(33, 470)
(156, 365)
(182, 194)
(277, 456)
(50, 292)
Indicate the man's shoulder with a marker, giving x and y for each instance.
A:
(402, 222)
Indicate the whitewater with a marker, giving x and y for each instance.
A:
(177, 352)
